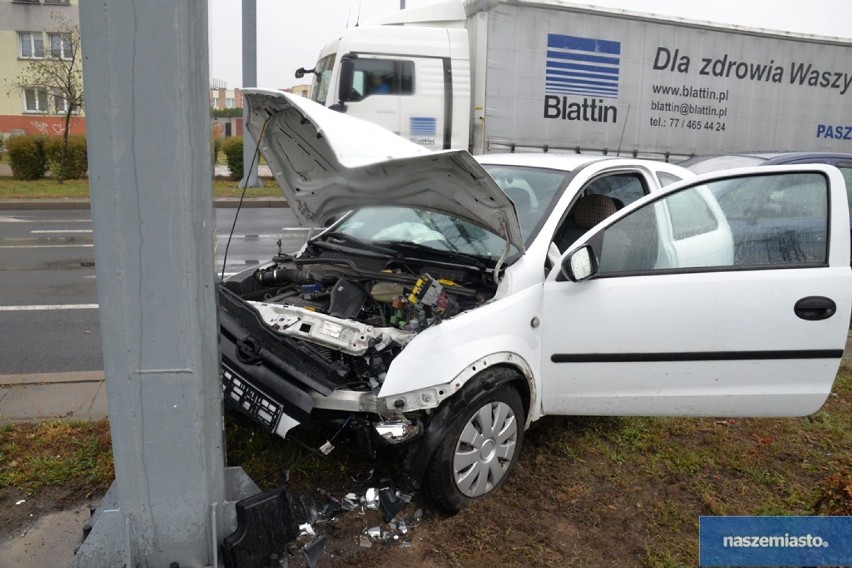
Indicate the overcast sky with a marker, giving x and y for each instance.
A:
(292, 32)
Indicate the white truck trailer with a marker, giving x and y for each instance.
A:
(506, 75)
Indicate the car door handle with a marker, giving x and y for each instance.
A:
(815, 308)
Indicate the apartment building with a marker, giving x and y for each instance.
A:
(29, 30)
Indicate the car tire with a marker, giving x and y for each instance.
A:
(478, 452)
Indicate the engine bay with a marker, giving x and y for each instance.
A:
(358, 311)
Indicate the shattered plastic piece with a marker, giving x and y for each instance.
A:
(313, 551)
(363, 477)
(365, 541)
(404, 496)
(331, 509)
(309, 509)
(391, 505)
(371, 499)
(21, 502)
(374, 532)
(307, 529)
(351, 497)
(326, 448)
(403, 528)
(349, 504)
(418, 515)
(405, 544)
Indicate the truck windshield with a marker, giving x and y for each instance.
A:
(322, 78)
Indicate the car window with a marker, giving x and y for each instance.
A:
(846, 170)
(598, 199)
(624, 188)
(742, 223)
(532, 190)
(665, 178)
(690, 215)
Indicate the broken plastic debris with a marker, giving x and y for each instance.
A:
(374, 532)
(371, 499)
(405, 544)
(309, 508)
(326, 448)
(418, 515)
(21, 502)
(391, 504)
(307, 529)
(313, 551)
(365, 541)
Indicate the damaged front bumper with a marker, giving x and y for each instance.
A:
(278, 381)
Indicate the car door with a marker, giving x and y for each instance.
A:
(659, 331)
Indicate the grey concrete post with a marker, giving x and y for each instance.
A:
(148, 123)
(249, 81)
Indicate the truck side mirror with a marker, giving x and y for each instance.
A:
(347, 71)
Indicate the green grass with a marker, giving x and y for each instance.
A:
(11, 188)
(63, 454)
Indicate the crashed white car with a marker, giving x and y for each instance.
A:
(449, 302)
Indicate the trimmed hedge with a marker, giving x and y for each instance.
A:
(76, 158)
(233, 149)
(26, 156)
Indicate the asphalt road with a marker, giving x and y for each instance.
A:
(48, 304)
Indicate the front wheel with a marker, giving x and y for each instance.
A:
(478, 452)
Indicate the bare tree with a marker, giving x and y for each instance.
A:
(60, 71)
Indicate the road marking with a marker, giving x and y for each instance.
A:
(44, 308)
(42, 232)
(43, 246)
(19, 220)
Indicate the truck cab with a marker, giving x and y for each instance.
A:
(409, 75)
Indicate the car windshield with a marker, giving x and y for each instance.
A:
(405, 226)
(531, 189)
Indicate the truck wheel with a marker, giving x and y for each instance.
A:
(478, 452)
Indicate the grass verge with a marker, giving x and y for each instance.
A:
(11, 188)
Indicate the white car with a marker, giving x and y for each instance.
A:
(448, 303)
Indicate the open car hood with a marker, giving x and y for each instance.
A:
(328, 163)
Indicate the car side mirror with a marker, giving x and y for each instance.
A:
(580, 264)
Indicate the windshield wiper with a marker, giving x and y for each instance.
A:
(473, 261)
(348, 243)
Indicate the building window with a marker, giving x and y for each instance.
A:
(60, 45)
(35, 99)
(26, 1)
(32, 45)
(64, 2)
(60, 103)
(215, 102)
(229, 102)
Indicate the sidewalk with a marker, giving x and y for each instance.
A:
(68, 396)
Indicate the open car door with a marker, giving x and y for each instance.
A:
(727, 295)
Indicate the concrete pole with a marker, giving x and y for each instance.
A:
(148, 117)
(249, 81)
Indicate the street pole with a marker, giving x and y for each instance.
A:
(249, 81)
(148, 128)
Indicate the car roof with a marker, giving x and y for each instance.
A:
(550, 160)
(715, 162)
